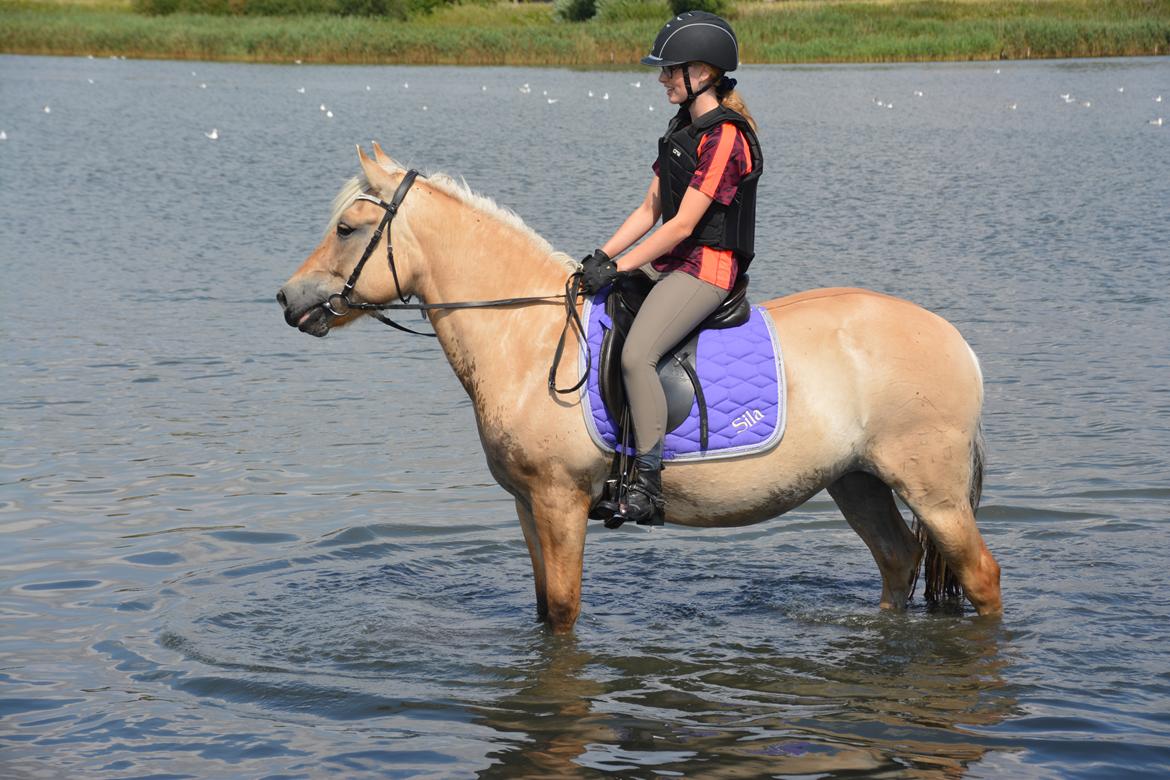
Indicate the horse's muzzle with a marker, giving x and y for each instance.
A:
(304, 313)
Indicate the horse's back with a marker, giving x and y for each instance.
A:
(864, 314)
(877, 355)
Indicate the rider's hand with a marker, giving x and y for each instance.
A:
(597, 270)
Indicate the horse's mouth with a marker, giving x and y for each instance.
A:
(314, 321)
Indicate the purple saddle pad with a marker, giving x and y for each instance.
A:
(741, 371)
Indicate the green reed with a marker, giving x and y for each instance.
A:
(527, 34)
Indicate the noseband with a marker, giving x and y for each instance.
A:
(340, 303)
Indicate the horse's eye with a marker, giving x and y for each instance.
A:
(343, 230)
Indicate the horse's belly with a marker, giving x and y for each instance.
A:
(727, 500)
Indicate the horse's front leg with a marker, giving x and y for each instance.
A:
(532, 539)
(556, 515)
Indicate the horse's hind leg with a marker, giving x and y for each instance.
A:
(941, 486)
(868, 506)
(952, 529)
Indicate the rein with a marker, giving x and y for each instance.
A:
(340, 303)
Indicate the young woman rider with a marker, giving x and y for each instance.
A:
(704, 190)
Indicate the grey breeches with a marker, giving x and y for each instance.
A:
(675, 305)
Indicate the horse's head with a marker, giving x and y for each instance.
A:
(314, 299)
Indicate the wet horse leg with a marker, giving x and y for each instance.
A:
(935, 482)
(952, 527)
(868, 506)
(528, 525)
(559, 518)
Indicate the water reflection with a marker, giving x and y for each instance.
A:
(549, 720)
(895, 698)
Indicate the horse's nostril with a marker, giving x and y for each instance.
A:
(281, 299)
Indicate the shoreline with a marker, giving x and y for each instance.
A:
(796, 32)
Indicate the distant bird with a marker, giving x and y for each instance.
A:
(605, 96)
(4, 135)
(213, 135)
(651, 108)
(296, 62)
(917, 93)
(328, 114)
(90, 80)
(1155, 122)
(405, 85)
(552, 100)
(483, 87)
(997, 71)
(525, 89)
(1121, 89)
(300, 90)
(90, 56)
(203, 86)
(47, 110)
(545, 93)
(192, 73)
(1158, 99)
(1012, 106)
(1087, 104)
(322, 106)
(880, 103)
(889, 105)
(1066, 97)
(424, 108)
(636, 84)
(367, 87)
(590, 93)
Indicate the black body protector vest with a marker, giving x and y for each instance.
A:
(725, 227)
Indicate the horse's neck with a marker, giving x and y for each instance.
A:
(468, 255)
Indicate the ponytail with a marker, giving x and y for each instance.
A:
(730, 98)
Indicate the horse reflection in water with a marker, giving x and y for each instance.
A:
(887, 701)
(883, 396)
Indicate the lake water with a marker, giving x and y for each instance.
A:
(230, 550)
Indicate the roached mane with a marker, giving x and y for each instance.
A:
(459, 190)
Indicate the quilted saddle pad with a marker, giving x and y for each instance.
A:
(741, 371)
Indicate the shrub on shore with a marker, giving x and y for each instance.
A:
(632, 10)
(392, 9)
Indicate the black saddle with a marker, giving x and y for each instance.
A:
(676, 370)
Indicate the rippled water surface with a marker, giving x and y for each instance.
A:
(230, 550)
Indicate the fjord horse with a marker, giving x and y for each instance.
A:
(884, 397)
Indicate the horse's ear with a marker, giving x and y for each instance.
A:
(376, 175)
(381, 157)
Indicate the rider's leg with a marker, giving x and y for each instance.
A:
(674, 307)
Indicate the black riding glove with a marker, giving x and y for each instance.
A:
(597, 270)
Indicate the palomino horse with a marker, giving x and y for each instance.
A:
(884, 397)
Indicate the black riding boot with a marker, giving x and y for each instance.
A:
(644, 504)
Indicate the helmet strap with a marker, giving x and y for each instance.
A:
(691, 93)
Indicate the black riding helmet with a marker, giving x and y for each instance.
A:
(695, 36)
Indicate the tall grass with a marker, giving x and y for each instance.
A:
(527, 34)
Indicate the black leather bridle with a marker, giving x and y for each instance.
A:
(340, 303)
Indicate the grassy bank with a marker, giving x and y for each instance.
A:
(528, 34)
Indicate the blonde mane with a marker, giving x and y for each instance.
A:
(460, 191)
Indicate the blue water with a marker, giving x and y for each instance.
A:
(230, 550)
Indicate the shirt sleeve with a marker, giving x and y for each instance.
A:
(723, 162)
